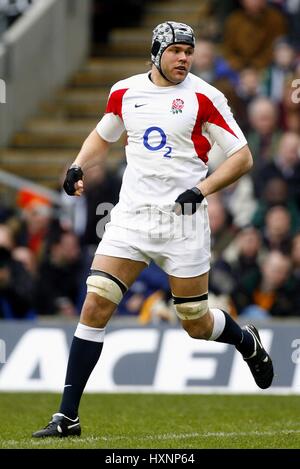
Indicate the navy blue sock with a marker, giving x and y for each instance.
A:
(235, 335)
(83, 357)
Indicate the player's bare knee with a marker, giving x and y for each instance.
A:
(96, 311)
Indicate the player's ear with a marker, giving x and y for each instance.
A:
(155, 48)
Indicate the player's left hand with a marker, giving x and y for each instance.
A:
(188, 202)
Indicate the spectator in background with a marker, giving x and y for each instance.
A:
(148, 298)
(246, 245)
(264, 135)
(250, 32)
(276, 193)
(282, 67)
(212, 15)
(36, 221)
(274, 294)
(27, 259)
(285, 165)
(277, 230)
(222, 10)
(210, 66)
(60, 282)
(247, 90)
(239, 201)
(238, 274)
(16, 285)
(6, 237)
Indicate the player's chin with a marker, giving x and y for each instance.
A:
(179, 75)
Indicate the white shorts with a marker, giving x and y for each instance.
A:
(180, 245)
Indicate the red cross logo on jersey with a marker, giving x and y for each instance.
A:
(177, 106)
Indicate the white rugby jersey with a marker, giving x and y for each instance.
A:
(170, 131)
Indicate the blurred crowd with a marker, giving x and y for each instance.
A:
(250, 50)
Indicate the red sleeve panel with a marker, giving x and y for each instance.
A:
(114, 103)
(207, 113)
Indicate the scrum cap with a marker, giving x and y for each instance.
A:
(166, 34)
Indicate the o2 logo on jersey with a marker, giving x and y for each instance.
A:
(162, 143)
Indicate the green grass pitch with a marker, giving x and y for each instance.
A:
(157, 421)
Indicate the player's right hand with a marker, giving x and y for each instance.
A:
(73, 184)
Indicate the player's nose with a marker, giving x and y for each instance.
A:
(182, 56)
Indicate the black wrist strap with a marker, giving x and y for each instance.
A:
(197, 191)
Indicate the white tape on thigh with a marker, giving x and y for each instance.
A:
(191, 310)
(104, 287)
